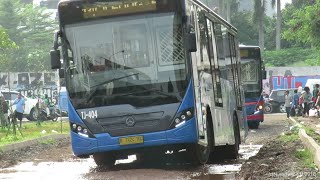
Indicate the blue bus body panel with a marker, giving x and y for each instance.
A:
(185, 133)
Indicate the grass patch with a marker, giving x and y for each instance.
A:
(306, 157)
(290, 136)
(31, 131)
(311, 132)
(49, 141)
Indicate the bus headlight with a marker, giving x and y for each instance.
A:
(181, 117)
(81, 130)
(177, 120)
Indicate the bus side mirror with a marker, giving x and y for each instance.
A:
(61, 73)
(191, 42)
(264, 74)
(55, 59)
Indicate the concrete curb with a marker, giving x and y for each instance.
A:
(309, 143)
(28, 143)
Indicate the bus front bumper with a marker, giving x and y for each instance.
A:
(257, 116)
(184, 134)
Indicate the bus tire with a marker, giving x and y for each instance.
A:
(234, 149)
(104, 159)
(253, 124)
(199, 154)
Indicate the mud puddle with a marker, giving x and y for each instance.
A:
(82, 169)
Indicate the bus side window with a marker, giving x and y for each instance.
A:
(214, 55)
(236, 77)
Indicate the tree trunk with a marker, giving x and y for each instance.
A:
(261, 32)
(229, 11)
(278, 28)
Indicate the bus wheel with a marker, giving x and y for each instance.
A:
(199, 154)
(234, 149)
(104, 159)
(253, 124)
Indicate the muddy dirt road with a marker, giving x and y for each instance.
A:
(55, 161)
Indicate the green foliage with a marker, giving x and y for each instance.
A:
(289, 137)
(31, 28)
(287, 57)
(5, 42)
(303, 26)
(247, 30)
(49, 141)
(6, 47)
(32, 131)
(306, 156)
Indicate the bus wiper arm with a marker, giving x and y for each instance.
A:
(106, 82)
(114, 79)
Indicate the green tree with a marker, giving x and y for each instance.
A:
(290, 57)
(6, 46)
(247, 31)
(303, 26)
(31, 28)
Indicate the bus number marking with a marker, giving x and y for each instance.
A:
(90, 114)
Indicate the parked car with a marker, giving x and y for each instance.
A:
(30, 103)
(275, 102)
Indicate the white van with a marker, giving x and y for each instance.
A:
(311, 83)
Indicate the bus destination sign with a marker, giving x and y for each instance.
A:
(117, 8)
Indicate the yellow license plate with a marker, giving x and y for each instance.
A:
(131, 140)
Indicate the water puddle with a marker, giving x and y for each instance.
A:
(247, 151)
(228, 170)
(47, 170)
(86, 169)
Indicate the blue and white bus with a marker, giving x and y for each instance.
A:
(148, 76)
(252, 74)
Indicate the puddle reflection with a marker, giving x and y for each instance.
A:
(81, 169)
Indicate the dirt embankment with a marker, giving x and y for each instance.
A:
(277, 160)
(55, 151)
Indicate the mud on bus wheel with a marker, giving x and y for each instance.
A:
(104, 159)
(199, 154)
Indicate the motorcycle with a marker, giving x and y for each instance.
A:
(47, 112)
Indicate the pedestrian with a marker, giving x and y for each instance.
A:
(4, 112)
(306, 96)
(295, 103)
(315, 93)
(20, 105)
(287, 103)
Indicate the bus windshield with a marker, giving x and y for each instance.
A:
(251, 71)
(137, 60)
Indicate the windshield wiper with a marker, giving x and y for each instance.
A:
(106, 82)
(149, 90)
(114, 79)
